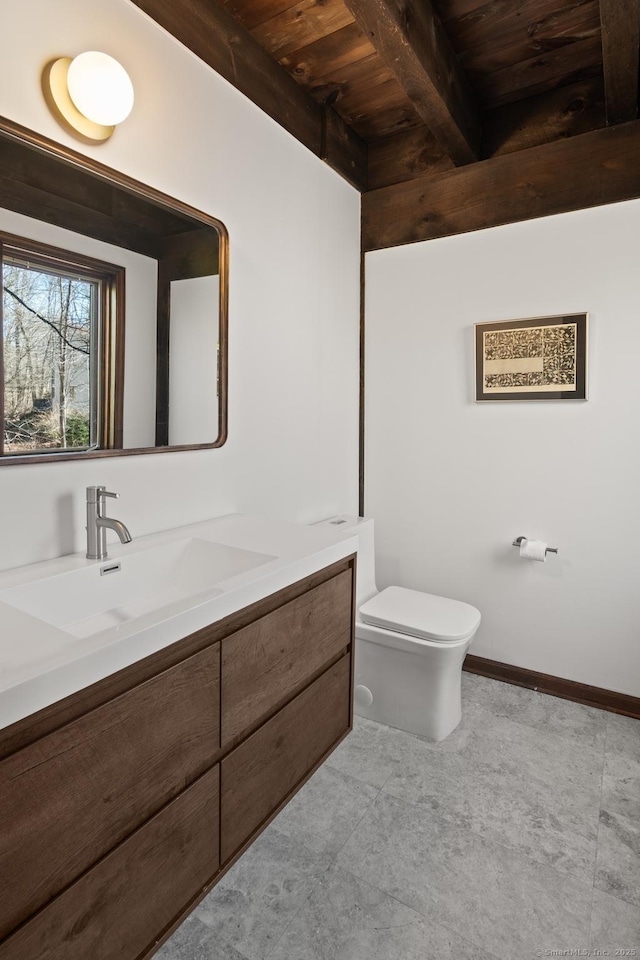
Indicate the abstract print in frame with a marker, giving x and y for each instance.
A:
(544, 358)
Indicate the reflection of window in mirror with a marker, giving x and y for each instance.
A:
(172, 391)
(61, 350)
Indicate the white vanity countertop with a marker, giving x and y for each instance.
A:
(41, 663)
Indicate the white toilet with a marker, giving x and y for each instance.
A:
(409, 647)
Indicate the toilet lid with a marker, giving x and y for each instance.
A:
(421, 614)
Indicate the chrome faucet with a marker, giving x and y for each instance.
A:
(98, 524)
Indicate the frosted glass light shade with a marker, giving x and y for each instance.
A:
(100, 88)
(88, 95)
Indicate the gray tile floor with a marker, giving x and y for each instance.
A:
(516, 837)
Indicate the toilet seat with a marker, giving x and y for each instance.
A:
(422, 615)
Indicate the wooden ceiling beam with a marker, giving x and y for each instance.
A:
(211, 32)
(559, 114)
(585, 171)
(566, 112)
(411, 41)
(405, 156)
(301, 24)
(536, 24)
(540, 74)
(620, 22)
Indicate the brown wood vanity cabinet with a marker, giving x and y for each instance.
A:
(121, 806)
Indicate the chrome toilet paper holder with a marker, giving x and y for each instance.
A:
(518, 541)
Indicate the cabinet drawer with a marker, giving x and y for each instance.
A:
(266, 663)
(118, 909)
(70, 797)
(259, 774)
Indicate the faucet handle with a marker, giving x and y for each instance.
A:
(97, 494)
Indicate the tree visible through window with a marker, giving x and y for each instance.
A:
(53, 364)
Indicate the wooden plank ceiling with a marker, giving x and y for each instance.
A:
(417, 102)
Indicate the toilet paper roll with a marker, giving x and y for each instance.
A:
(533, 550)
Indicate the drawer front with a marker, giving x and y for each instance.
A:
(124, 903)
(266, 663)
(259, 774)
(70, 797)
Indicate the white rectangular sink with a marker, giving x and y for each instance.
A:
(64, 626)
(86, 601)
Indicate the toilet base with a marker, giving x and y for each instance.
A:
(416, 688)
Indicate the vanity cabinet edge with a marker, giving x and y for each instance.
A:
(269, 661)
(338, 661)
(42, 722)
(81, 790)
(93, 918)
(248, 842)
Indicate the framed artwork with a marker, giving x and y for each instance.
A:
(544, 358)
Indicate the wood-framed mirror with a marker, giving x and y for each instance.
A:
(114, 311)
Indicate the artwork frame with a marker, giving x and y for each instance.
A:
(538, 358)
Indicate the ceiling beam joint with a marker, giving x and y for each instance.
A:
(588, 170)
(411, 41)
(209, 31)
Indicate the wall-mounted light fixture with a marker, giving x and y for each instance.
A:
(91, 94)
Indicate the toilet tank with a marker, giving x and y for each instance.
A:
(346, 526)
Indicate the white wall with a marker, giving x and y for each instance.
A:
(294, 254)
(451, 483)
(193, 350)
